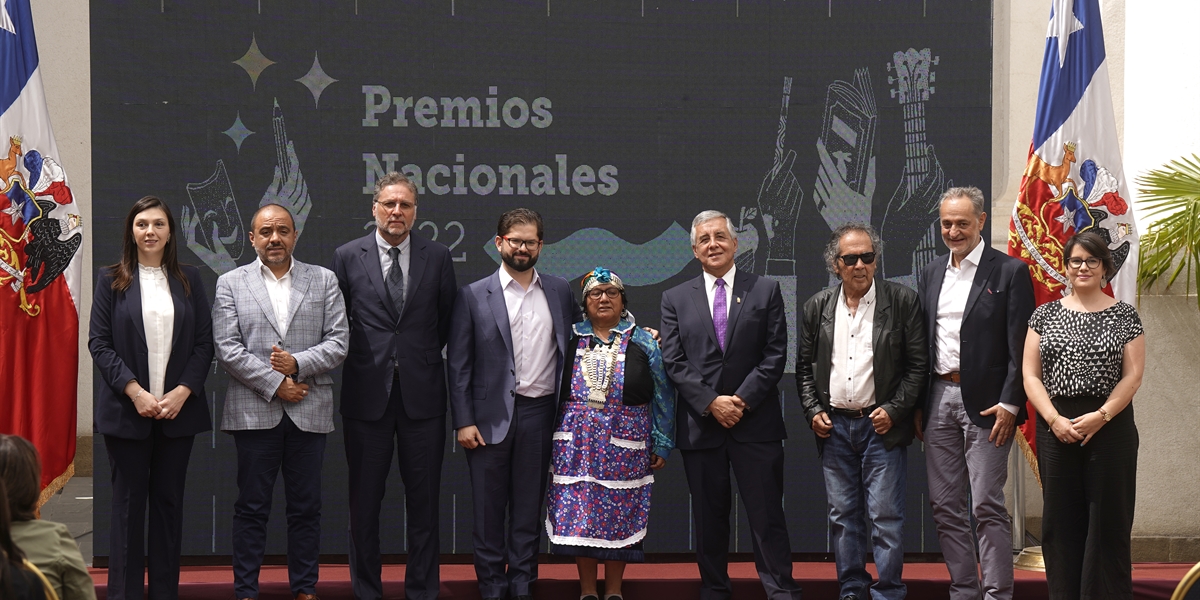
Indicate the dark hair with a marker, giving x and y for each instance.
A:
(835, 244)
(21, 472)
(254, 217)
(123, 271)
(519, 216)
(1093, 244)
(11, 557)
(395, 178)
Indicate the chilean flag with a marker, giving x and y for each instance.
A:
(1073, 180)
(40, 236)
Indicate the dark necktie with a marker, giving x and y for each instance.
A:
(720, 313)
(395, 282)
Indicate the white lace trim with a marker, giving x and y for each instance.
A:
(566, 540)
(563, 435)
(610, 484)
(630, 444)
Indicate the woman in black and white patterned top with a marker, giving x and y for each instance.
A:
(1084, 358)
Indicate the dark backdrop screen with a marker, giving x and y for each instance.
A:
(618, 120)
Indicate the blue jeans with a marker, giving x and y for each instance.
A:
(860, 473)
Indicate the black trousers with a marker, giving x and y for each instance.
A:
(419, 445)
(262, 454)
(758, 467)
(1087, 515)
(152, 469)
(508, 479)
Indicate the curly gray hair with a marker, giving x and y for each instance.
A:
(835, 241)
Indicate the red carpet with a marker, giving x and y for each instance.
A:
(659, 581)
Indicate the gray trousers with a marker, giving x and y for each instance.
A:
(957, 455)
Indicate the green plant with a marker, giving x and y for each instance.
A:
(1170, 203)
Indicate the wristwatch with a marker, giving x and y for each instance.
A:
(1104, 413)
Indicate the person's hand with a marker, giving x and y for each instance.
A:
(469, 437)
(1006, 422)
(1064, 430)
(1087, 425)
(218, 258)
(837, 201)
(821, 425)
(290, 391)
(654, 334)
(881, 420)
(172, 402)
(779, 198)
(918, 424)
(145, 402)
(726, 411)
(288, 189)
(283, 362)
(657, 462)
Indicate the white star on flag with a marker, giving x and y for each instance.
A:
(1062, 25)
(5, 20)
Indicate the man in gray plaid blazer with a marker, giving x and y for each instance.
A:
(280, 327)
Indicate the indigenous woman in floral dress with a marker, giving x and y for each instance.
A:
(615, 427)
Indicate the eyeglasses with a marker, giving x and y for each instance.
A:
(1092, 262)
(612, 293)
(852, 259)
(390, 206)
(517, 244)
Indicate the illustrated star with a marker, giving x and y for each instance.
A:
(1062, 24)
(14, 211)
(253, 62)
(238, 132)
(1067, 218)
(316, 80)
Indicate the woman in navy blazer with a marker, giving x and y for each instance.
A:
(152, 356)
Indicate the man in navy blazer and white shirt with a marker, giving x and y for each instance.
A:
(508, 337)
(724, 339)
(977, 304)
(399, 290)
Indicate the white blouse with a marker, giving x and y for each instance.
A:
(158, 316)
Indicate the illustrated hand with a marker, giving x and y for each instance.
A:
(726, 411)
(838, 202)
(779, 198)
(1006, 422)
(1087, 425)
(290, 391)
(918, 425)
(283, 362)
(881, 420)
(217, 259)
(172, 402)
(469, 437)
(288, 188)
(657, 462)
(821, 425)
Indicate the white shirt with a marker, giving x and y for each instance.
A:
(532, 328)
(710, 289)
(952, 303)
(852, 372)
(158, 317)
(280, 291)
(385, 259)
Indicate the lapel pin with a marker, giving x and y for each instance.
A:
(739, 300)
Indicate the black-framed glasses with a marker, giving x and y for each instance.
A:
(389, 206)
(612, 293)
(852, 259)
(1092, 262)
(516, 243)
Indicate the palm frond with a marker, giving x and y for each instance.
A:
(1170, 202)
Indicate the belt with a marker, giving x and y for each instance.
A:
(854, 413)
(952, 377)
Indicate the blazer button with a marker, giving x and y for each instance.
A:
(512, 372)
(512, 393)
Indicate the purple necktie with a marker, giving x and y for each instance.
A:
(720, 316)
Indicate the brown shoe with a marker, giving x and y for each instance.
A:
(307, 597)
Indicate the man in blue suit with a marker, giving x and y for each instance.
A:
(508, 337)
(724, 339)
(399, 290)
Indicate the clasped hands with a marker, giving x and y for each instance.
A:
(167, 407)
(1079, 429)
(283, 362)
(727, 410)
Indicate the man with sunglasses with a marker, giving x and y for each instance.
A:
(977, 305)
(860, 372)
(508, 337)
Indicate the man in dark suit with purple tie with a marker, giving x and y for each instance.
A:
(724, 339)
(399, 290)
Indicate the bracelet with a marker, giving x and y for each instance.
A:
(1105, 414)
(1050, 423)
(135, 396)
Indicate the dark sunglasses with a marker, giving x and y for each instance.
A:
(852, 259)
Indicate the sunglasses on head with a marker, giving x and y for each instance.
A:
(852, 259)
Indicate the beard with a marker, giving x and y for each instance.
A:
(519, 264)
(264, 256)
